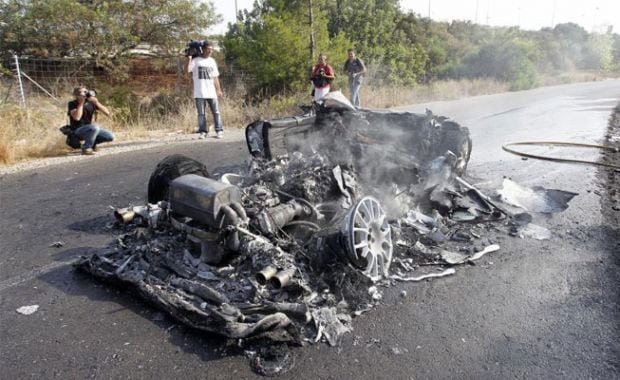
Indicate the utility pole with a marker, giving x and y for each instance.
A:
(311, 31)
(594, 19)
(429, 9)
(488, 6)
(476, 18)
(555, 2)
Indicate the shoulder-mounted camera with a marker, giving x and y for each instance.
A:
(194, 48)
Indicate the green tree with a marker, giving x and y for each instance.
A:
(616, 51)
(272, 43)
(385, 37)
(553, 58)
(369, 24)
(101, 29)
(599, 52)
(507, 58)
(572, 40)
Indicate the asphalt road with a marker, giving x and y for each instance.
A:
(535, 309)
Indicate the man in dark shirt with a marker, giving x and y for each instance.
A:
(355, 69)
(81, 112)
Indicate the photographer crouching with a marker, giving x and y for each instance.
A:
(81, 112)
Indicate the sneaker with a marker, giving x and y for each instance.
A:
(203, 135)
(88, 151)
(219, 135)
(95, 148)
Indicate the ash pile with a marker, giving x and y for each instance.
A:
(331, 207)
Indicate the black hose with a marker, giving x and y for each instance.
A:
(314, 210)
(303, 223)
(231, 219)
(556, 159)
(238, 208)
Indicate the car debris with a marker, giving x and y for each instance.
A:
(271, 361)
(455, 258)
(535, 199)
(535, 231)
(296, 242)
(446, 272)
(27, 310)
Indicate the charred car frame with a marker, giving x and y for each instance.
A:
(288, 246)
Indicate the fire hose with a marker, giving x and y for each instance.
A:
(506, 148)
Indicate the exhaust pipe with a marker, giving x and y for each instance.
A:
(265, 275)
(124, 216)
(283, 278)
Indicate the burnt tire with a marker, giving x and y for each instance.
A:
(169, 169)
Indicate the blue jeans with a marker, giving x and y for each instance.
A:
(93, 134)
(354, 88)
(201, 105)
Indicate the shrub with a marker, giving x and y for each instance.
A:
(166, 103)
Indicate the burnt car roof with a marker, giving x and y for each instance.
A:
(359, 135)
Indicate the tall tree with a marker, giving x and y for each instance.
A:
(272, 43)
(383, 36)
(102, 29)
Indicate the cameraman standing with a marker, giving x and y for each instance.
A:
(81, 111)
(321, 77)
(355, 69)
(206, 89)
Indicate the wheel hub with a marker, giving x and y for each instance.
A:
(368, 238)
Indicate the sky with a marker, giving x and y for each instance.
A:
(593, 15)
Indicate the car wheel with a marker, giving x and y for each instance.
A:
(368, 238)
(169, 169)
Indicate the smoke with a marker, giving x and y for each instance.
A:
(396, 156)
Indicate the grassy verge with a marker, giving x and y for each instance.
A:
(33, 132)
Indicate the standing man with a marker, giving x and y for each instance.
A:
(81, 111)
(321, 77)
(355, 69)
(206, 89)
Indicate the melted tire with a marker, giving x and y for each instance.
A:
(169, 169)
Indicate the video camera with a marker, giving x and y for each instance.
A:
(320, 80)
(194, 48)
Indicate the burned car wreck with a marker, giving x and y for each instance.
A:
(292, 245)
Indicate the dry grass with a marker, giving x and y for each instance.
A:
(571, 77)
(386, 97)
(29, 133)
(33, 132)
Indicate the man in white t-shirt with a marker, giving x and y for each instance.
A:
(206, 89)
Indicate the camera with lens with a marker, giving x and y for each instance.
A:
(194, 48)
(322, 72)
(91, 93)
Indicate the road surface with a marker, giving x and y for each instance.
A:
(535, 309)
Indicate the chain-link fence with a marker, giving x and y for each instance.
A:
(55, 77)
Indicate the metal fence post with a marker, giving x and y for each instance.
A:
(19, 81)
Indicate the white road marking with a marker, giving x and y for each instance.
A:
(17, 280)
